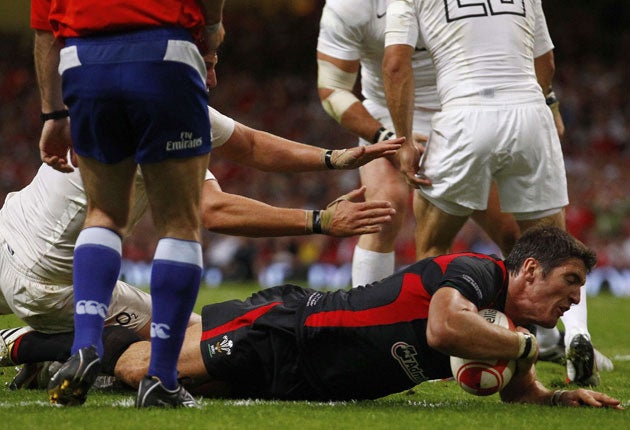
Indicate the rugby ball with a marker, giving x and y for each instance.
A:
(485, 377)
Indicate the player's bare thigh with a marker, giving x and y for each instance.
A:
(555, 220)
(108, 187)
(435, 229)
(174, 192)
(501, 227)
(384, 182)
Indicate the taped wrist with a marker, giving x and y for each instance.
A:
(327, 159)
(527, 346)
(116, 340)
(313, 222)
(554, 400)
(382, 134)
(552, 102)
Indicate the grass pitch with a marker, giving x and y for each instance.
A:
(439, 405)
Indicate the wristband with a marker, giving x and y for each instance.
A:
(58, 114)
(327, 159)
(554, 400)
(526, 348)
(382, 134)
(550, 98)
(317, 222)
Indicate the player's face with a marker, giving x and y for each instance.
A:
(211, 59)
(555, 293)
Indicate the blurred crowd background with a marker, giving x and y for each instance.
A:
(267, 80)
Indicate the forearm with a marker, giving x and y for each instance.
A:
(46, 58)
(399, 89)
(242, 216)
(545, 69)
(359, 121)
(525, 388)
(268, 152)
(454, 327)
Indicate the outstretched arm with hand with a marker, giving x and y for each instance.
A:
(525, 388)
(271, 153)
(241, 216)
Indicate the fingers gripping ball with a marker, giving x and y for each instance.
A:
(485, 377)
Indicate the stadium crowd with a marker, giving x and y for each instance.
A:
(267, 81)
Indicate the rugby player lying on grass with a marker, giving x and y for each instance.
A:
(292, 343)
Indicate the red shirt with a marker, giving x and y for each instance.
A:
(78, 18)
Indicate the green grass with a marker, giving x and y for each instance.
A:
(441, 405)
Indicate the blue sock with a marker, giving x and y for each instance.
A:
(97, 258)
(175, 279)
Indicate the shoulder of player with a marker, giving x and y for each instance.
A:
(355, 13)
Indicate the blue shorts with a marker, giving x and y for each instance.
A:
(140, 94)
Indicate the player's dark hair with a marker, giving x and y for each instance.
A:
(551, 247)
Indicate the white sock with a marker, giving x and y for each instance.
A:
(547, 338)
(371, 266)
(575, 320)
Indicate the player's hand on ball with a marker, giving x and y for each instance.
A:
(485, 377)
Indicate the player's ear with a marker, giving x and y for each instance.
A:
(529, 268)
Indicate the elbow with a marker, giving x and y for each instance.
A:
(391, 68)
(211, 216)
(441, 338)
(394, 64)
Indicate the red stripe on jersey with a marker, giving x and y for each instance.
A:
(412, 303)
(444, 260)
(241, 321)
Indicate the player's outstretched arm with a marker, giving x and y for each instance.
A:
(525, 388)
(344, 217)
(353, 158)
(271, 153)
(241, 216)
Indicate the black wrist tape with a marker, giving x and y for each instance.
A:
(58, 114)
(317, 222)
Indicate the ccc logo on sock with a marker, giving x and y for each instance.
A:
(91, 307)
(161, 331)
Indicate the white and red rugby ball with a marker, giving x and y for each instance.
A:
(485, 377)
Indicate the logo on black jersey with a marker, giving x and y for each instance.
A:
(473, 284)
(223, 346)
(406, 355)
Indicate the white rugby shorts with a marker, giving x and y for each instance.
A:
(421, 119)
(517, 146)
(49, 308)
